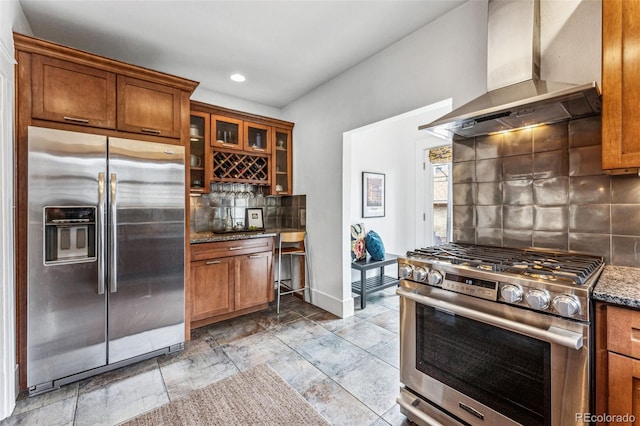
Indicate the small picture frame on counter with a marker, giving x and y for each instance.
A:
(254, 219)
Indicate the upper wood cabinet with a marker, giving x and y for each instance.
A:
(620, 86)
(248, 148)
(73, 93)
(228, 132)
(281, 175)
(145, 107)
(61, 84)
(257, 138)
(199, 162)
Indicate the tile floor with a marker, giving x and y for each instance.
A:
(346, 368)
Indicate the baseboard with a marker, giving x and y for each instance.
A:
(341, 308)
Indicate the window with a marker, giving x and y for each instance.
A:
(439, 162)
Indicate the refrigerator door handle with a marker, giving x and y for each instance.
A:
(100, 220)
(113, 262)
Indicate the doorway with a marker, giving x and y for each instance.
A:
(393, 147)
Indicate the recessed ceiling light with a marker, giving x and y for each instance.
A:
(238, 77)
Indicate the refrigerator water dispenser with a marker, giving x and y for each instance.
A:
(70, 234)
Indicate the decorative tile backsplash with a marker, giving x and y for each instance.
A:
(208, 211)
(544, 187)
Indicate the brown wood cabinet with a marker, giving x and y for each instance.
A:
(72, 93)
(229, 279)
(248, 148)
(620, 86)
(228, 132)
(281, 175)
(199, 162)
(64, 88)
(146, 107)
(213, 284)
(617, 361)
(253, 286)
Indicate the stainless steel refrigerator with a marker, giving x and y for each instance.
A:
(106, 239)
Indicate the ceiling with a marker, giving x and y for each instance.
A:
(284, 48)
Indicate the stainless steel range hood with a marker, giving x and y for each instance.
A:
(517, 98)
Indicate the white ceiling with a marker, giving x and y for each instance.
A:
(285, 48)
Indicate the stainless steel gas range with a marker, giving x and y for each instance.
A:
(496, 336)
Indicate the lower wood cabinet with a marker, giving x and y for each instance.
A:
(229, 279)
(624, 387)
(617, 365)
(212, 282)
(253, 285)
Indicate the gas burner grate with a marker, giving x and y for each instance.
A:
(547, 265)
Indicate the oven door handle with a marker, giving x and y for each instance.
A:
(554, 335)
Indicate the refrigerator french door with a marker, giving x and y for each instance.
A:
(105, 254)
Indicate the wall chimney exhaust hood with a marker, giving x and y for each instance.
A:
(517, 98)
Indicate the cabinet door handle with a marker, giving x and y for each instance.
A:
(152, 131)
(236, 248)
(77, 120)
(258, 149)
(228, 144)
(255, 256)
(213, 262)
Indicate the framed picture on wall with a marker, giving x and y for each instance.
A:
(373, 194)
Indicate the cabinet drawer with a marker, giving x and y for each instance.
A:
(73, 93)
(230, 248)
(149, 108)
(623, 331)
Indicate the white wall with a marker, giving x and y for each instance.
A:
(226, 101)
(571, 40)
(11, 18)
(445, 59)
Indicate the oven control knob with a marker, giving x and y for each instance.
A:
(538, 299)
(405, 271)
(434, 278)
(419, 274)
(511, 293)
(566, 305)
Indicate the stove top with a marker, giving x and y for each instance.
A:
(553, 282)
(564, 267)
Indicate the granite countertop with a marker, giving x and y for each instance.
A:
(619, 285)
(212, 237)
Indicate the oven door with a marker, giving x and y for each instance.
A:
(487, 363)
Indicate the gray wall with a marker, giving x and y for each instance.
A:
(544, 187)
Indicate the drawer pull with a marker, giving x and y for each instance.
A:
(255, 256)
(77, 120)
(236, 248)
(152, 131)
(212, 262)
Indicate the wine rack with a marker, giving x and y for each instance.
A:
(240, 167)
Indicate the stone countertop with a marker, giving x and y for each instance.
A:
(212, 237)
(619, 285)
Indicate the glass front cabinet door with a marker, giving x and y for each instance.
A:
(227, 132)
(257, 138)
(199, 155)
(281, 169)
